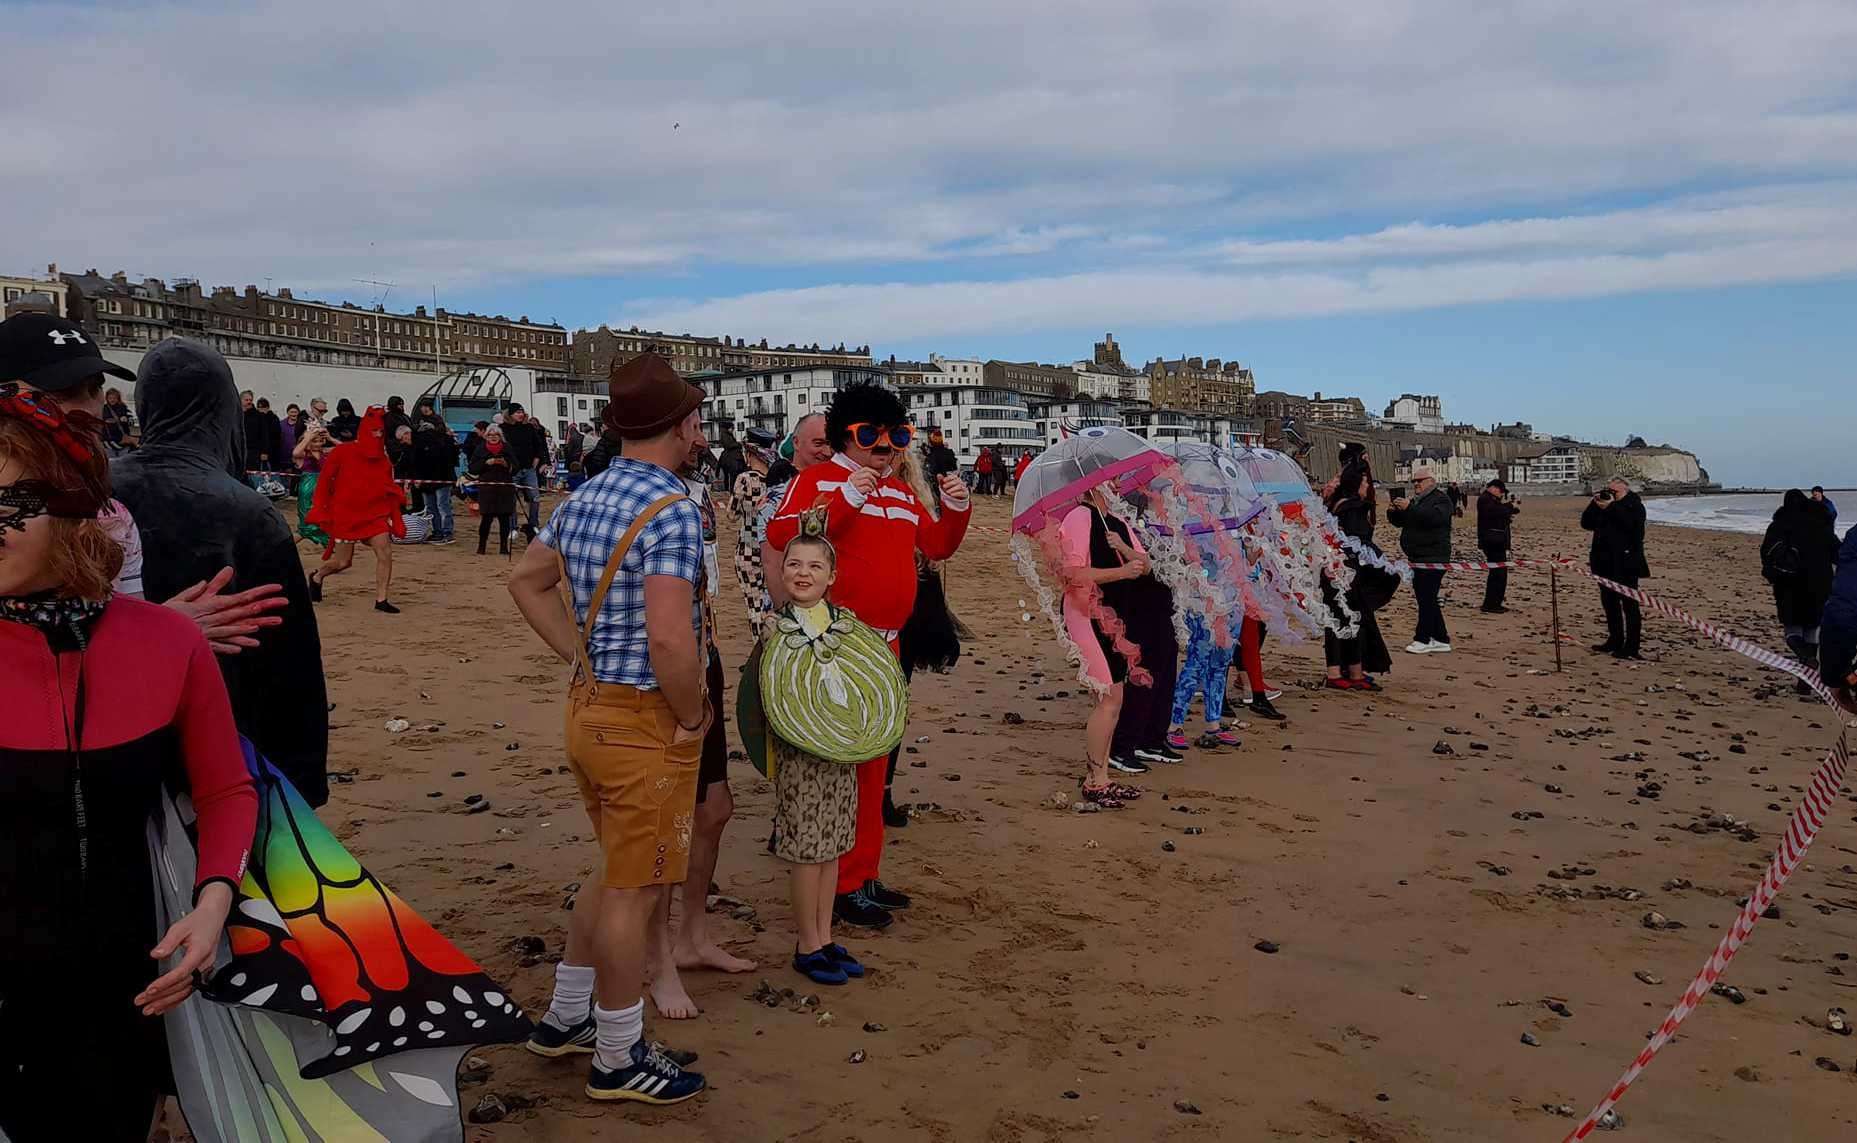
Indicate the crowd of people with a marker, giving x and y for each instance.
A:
(154, 609)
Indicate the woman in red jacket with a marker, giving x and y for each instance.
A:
(107, 698)
(358, 502)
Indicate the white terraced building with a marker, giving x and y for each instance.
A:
(775, 399)
(973, 417)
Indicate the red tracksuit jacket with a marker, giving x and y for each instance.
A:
(876, 538)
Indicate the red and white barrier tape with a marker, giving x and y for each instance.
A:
(1800, 832)
(472, 481)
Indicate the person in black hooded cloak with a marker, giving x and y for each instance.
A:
(197, 516)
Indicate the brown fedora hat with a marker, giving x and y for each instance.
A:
(645, 396)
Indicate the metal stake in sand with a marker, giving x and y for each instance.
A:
(1554, 601)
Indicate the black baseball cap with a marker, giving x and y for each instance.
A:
(51, 354)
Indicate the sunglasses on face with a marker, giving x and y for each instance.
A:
(870, 436)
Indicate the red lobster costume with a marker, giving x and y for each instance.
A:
(357, 497)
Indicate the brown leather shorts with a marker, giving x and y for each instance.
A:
(638, 784)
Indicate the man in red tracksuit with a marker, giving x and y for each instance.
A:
(876, 523)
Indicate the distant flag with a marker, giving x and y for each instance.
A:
(1068, 427)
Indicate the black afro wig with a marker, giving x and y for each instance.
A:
(867, 403)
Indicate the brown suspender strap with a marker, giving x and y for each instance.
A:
(583, 649)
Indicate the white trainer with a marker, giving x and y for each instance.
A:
(1436, 647)
(1417, 648)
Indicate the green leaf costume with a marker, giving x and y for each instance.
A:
(831, 686)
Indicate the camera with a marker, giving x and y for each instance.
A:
(1604, 494)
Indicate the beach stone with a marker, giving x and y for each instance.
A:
(1014, 718)
(529, 945)
(1746, 1074)
(476, 1070)
(1442, 747)
(1186, 1107)
(1529, 1039)
(1167, 847)
(1073, 1095)
(490, 1109)
(1267, 947)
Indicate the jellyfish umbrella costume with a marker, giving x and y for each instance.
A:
(1297, 546)
(1120, 465)
(338, 1013)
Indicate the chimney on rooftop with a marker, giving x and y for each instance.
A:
(285, 294)
(120, 278)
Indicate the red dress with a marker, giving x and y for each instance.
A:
(356, 495)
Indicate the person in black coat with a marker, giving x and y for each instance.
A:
(344, 425)
(1615, 517)
(494, 465)
(196, 515)
(1799, 557)
(1496, 509)
(396, 417)
(1352, 662)
(528, 449)
(264, 440)
(1424, 523)
(435, 465)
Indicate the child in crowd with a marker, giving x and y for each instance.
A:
(1204, 673)
(576, 476)
(833, 696)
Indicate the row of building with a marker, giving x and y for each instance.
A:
(1011, 406)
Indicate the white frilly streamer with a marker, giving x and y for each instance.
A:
(1168, 561)
(1295, 566)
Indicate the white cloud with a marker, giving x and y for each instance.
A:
(1791, 236)
(477, 145)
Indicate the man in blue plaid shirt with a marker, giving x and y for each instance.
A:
(631, 541)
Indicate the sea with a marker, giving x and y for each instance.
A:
(1737, 512)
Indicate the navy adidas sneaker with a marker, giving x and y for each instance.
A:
(548, 1040)
(651, 1077)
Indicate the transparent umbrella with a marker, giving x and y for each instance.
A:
(1058, 478)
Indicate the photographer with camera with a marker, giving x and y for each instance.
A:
(1615, 517)
(1495, 510)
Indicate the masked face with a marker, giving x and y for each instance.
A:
(25, 533)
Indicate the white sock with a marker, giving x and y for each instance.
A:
(573, 995)
(618, 1032)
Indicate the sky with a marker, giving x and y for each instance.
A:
(1601, 218)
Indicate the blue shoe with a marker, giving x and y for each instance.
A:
(548, 1040)
(820, 968)
(846, 963)
(650, 1078)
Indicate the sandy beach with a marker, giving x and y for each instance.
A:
(1069, 976)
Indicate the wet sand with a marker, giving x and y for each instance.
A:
(1067, 976)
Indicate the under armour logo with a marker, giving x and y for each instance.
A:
(60, 336)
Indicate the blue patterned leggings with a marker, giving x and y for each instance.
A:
(1205, 671)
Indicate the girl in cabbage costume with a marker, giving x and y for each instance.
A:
(830, 695)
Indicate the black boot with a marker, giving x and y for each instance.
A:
(483, 541)
(855, 908)
(893, 816)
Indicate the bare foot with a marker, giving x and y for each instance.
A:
(710, 955)
(668, 995)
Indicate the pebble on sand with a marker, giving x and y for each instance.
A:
(1267, 947)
